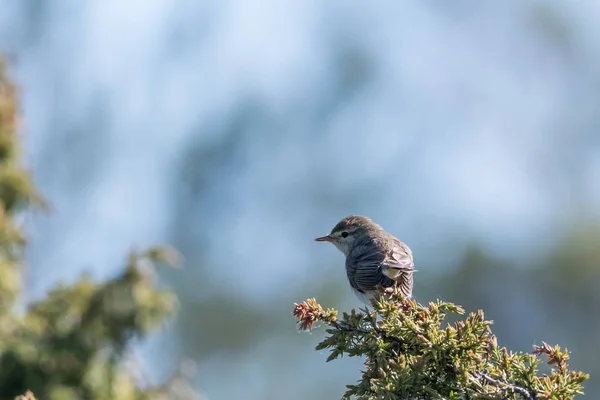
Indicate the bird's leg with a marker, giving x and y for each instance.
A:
(388, 290)
(385, 290)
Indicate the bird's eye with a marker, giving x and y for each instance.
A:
(344, 234)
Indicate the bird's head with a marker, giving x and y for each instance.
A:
(349, 230)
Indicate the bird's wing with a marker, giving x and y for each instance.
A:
(364, 269)
(398, 261)
(399, 267)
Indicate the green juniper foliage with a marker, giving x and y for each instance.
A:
(74, 343)
(411, 354)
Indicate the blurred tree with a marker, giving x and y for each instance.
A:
(74, 343)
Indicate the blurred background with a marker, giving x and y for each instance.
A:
(240, 131)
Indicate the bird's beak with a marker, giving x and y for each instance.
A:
(324, 239)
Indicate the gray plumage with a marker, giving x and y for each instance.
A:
(375, 259)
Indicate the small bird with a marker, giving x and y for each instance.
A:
(376, 260)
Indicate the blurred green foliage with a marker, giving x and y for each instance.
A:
(74, 343)
(411, 354)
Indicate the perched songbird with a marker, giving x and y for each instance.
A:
(375, 259)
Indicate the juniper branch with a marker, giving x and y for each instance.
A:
(409, 355)
(506, 386)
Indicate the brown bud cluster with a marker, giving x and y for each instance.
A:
(310, 312)
(554, 354)
(307, 313)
